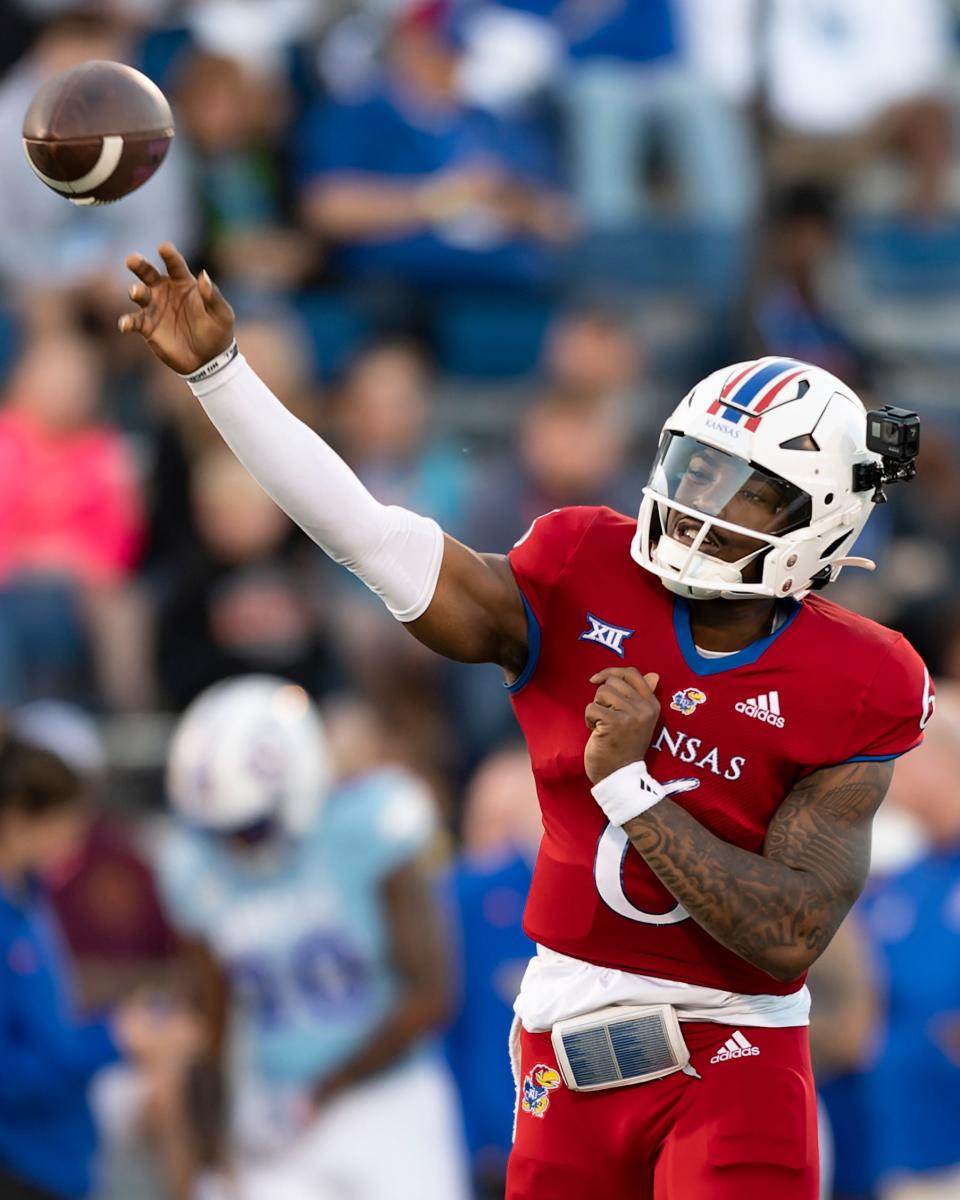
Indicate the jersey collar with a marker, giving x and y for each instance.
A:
(742, 658)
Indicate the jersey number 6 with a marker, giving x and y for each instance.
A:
(608, 869)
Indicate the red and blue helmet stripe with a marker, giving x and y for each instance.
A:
(749, 393)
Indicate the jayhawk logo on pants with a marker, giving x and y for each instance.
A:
(537, 1086)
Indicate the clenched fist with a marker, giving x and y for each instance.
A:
(621, 718)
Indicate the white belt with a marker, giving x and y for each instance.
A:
(620, 1045)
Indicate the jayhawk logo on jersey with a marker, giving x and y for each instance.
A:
(537, 1086)
(687, 701)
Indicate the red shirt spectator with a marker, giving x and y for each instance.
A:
(69, 498)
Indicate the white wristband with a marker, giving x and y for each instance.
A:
(215, 365)
(627, 793)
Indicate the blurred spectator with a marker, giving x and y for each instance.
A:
(501, 833)
(382, 428)
(71, 503)
(793, 316)
(913, 918)
(570, 450)
(508, 56)
(47, 1058)
(70, 532)
(933, 626)
(930, 509)
(232, 114)
(843, 1016)
(627, 84)
(880, 70)
(53, 250)
(357, 737)
(104, 896)
(244, 598)
(593, 353)
(722, 43)
(915, 586)
(311, 912)
(412, 184)
(255, 34)
(103, 891)
(843, 1023)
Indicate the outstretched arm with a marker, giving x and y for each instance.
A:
(463, 605)
(777, 909)
(419, 958)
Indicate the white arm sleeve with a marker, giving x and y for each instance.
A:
(395, 552)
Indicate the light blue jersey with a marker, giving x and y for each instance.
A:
(303, 938)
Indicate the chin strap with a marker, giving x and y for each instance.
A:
(691, 562)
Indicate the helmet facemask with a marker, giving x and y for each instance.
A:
(702, 504)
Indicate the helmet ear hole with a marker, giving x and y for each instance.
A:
(835, 545)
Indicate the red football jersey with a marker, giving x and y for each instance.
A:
(736, 734)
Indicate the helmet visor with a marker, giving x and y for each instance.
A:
(717, 484)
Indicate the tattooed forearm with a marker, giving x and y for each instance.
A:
(778, 909)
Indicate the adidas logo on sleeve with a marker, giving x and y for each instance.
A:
(763, 708)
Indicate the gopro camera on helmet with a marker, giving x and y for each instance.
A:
(894, 434)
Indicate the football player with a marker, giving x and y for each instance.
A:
(711, 739)
(311, 924)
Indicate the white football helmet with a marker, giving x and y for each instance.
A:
(763, 449)
(247, 751)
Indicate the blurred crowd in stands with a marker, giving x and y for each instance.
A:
(482, 246)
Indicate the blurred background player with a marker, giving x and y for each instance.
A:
(322, 949)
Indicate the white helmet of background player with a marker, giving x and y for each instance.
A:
(763, 451)
(249, 753)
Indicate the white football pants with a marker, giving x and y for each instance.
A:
(395, 1138)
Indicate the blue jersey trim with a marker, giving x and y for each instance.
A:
(879, 757)
(871, 757)
(533, 650)
(742, 658)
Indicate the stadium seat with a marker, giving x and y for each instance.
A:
(663, 256)
(491, 336)
(336, 328)
(908, 259)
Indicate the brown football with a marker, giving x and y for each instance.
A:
(97, 132)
